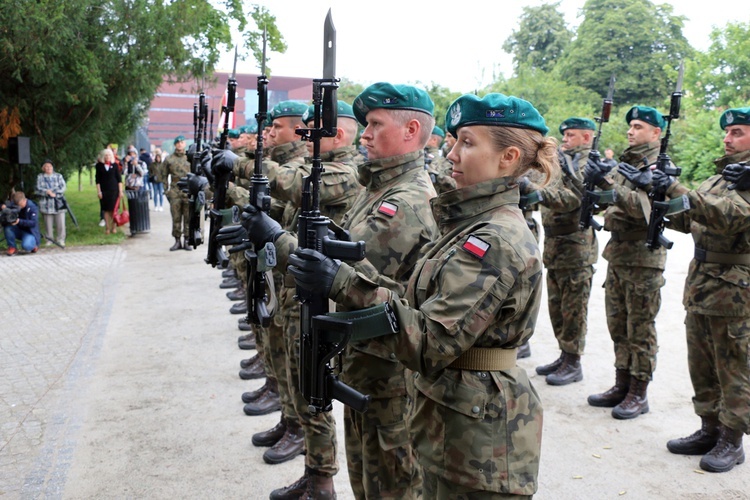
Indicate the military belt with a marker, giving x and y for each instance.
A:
(560, 230)
(631, 236)
(709, 257)
(486, 359)
(366, 324)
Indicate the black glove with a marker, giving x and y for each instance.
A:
(231, 235)
(223, 161)
(190, 153)
(524, 184)
(660, 182)
(196, 184)
(739, 175)
(260, 227)
(312, 270)
(596, 170)
(641, 178)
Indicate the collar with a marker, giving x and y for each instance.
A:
(376, 173)
(634, 155)
(729, 159)
(456, 205)
(284, 153)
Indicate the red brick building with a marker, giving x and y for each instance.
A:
(171, 110)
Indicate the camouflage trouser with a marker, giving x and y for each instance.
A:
(435, 486)
(239, 263)
(275, 358)
(379, 455)
(719, 364)
(632, 299)
(320, 430)
(180, 210)
(568, 292)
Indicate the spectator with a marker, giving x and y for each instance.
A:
(51, 187)
(145, 162)
(133, 171)
(26, 227)
(108, 187)
(157, 181)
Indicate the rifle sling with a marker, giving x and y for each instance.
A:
(367, 323)
(560, 230)
(733, 259)
(632, 236)
(485, 359)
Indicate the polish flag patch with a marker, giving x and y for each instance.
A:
(388, 209)
(476, 246)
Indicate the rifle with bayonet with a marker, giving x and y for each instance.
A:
(323, 337)
(216, 255)
(659, 207)
(196, 181)
(590, 196)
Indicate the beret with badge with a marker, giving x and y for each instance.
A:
(290, 108)
(646, 114)
(234, 133)
(493, 109)
(179, 138)
(343, 110)
(735, 116)
(576, 123)
(388, 96)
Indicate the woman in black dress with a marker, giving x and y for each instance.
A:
(108, 187)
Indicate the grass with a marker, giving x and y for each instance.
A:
(85, 206)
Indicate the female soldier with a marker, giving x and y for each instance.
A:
(472, 301)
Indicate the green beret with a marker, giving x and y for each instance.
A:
(234, 133)
(290, 108)
(345, 109)
(646, 114)
(493, 109)
(310, 113)
(251, 128)
(388, 96)
(269, 121)
(179, 138)
(735, 116)
(438, 131)
(577, 124)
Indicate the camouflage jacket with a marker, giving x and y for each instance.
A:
(440, 170)
(565, 246)
(719, 221)
(394, 218)
(176, 166)
(629, 215)
(479, 285)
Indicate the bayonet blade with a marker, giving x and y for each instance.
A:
(329, 48)
(611, 91)
(234, 68)
(680, 74)
(263, 61)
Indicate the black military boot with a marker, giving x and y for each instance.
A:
(228, 273)
(253, 370)
(615, 394)
(185, 245)
(635, 403)
(267, 402)
(272, 435)
(244, 326)
(177, 245)
(248, 342)
(569, 371)
(698, 443)
(727, 453)
(291, 444)
(319, 487)
(249, 397)
(239, 308)
(294, 490)
(552, 367)
(238, 294)
(247, 363)
(230, 283)
(524, 351)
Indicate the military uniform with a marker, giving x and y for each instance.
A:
(440, 169)
(177, 166)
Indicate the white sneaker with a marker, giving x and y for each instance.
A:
(48, 244)
(101, 223)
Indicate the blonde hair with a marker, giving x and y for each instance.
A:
(103, 155)
(538, 153)
(426, 122)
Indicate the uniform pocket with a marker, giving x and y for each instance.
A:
(396, 455)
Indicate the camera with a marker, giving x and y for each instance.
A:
(8, 216)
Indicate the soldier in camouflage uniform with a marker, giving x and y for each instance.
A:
(717, 298)
(635, 273)
(471, 301)
(175, 167)
(439, 167)
(569, 253)
(338, 189)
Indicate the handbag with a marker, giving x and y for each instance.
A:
(59, 203)
(121, 218)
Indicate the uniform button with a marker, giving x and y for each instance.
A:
(482, 374)
(743, 283)
(475, 410)
(393, 355)
(416, 375)
(481, 471)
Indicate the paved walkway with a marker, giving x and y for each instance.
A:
(118, 379)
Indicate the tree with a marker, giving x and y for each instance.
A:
(79, 74)
(720, 76)
(443, 97)
(541, 38)
(634, 39)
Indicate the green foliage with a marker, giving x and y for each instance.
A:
(349, 90)
(720, 76)
(443, 98)
(696, 141)
(541, 38)
(634, 39)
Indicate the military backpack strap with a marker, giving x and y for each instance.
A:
(486, 359)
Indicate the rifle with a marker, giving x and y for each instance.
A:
(194, 187)
(657, 220)
(590, 197)
(216, 255)
(257, 312)
(322, 336)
